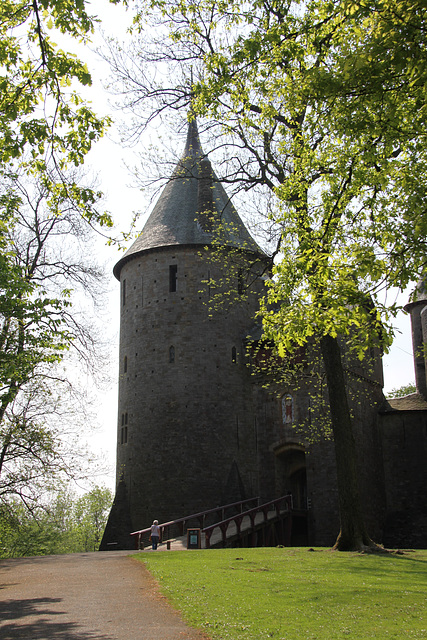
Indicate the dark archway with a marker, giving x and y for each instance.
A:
(291, 477)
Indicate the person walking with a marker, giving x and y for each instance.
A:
(155, 535)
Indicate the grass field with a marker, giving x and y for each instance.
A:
(296, 594)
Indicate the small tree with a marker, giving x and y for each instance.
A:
(405, 390)
(90, 516)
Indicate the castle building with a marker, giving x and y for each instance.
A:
(403, 425)
(195, 428)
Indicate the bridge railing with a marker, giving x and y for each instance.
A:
(279, 505)
(178, 527)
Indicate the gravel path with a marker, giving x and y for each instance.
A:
(85, 596)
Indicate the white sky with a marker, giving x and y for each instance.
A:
(107, 160)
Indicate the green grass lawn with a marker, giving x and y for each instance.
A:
(296, 594)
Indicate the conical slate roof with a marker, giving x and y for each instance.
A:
(419, 295)
(191, 208)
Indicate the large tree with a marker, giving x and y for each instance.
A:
(46, 210)
(320, 105)
(45, 266)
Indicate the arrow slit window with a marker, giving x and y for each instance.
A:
(173, 277)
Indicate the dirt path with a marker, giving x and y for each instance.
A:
(85, 596)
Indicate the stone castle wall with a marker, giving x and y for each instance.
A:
(185, 427)
(404, 446)
(290, 450)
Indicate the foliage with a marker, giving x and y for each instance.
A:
(46, 212)
(44, 245)
(254, 594)
(279, 81)
(39, 532)
(65, 524)
(405, 390)
(41, 442)
(42, 117)
(45, 121)
(90, 515)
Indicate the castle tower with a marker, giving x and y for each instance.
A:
(417, 309)
(186, 439)
(195, 428)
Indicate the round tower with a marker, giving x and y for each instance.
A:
(186, 437)
(417, 310)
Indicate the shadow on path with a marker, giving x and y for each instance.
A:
(40, 626)
(95, 596)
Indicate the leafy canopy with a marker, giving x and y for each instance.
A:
(66, 524)
(323, 104)
(42, 116)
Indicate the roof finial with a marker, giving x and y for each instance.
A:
(193, 147)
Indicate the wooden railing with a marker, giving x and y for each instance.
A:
(278, 506)
(142, 536)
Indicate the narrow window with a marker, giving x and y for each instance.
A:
(287, 409)
(123, 293)
(122, 435)
(171, 354)
(173, 277)
(234, 355)
(123, 419)
(125, 364)
(240, 283)
(126, 418)
(125, 437)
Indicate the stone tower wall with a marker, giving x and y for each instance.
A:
(423, 354)
(417, 321)
(186, 436)
(404, 443)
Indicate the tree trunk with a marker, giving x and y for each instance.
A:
(353, 534)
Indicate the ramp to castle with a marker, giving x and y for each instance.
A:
(268, 524)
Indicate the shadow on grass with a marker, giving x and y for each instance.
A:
(407, 563)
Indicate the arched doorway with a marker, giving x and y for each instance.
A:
(291, 477)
